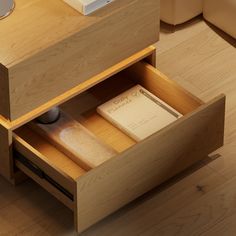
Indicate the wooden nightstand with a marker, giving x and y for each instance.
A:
(53, 56)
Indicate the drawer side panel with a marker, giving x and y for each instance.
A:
(41, 162)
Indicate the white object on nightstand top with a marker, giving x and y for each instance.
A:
(87, 6)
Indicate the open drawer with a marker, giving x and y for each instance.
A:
(138, 167)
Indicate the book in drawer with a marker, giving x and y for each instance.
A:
(48, 48)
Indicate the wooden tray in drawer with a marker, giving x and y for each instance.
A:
(48, 48)
(138, 167)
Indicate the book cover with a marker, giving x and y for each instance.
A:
(138, 113)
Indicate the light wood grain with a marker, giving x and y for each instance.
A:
(107, 132)
(210, 215)
(47, 57)
(194, 141)
(149, 163)
(17, 215)
(42, 214)
(197, 141)
(182, 33)
(201, 46)
(52, 14)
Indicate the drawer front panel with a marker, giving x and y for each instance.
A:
(149, 163)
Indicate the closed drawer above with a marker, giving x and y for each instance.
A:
(47, 48)
(138, 166)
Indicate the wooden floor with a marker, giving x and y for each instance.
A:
(202, 201)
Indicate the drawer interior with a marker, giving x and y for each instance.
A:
(83, 109)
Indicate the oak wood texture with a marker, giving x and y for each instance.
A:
(149, 163)
(146, 164)
(178, 207)
(146, 54)
(49, 48)
(77, 142)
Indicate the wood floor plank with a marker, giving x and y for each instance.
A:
(182, 33)
(187, 54)
(152, 209)
(226, 227)
(201, 215)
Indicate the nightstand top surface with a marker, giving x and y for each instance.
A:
(38, 24)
